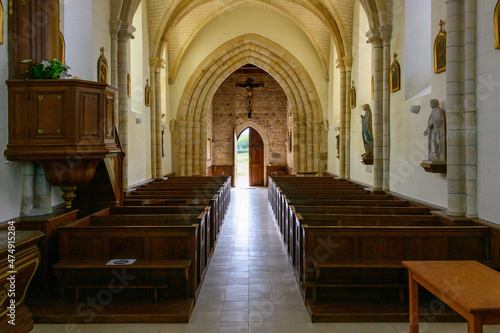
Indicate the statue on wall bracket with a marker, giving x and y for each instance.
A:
(436, 132)
(367, 133)
(352, 96)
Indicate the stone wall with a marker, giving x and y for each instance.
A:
(269, 114)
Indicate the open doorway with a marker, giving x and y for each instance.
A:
(243, 159)
(250, 158)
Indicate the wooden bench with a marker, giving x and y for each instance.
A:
(80, 242)
(470, 288)
(85, 267)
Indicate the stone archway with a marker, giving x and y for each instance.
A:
(191, 124)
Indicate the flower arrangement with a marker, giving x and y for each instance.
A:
(53, 69)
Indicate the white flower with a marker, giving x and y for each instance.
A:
(64, 66)
(64, 74)
(46, 64)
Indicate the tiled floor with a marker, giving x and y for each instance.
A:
(250, 286)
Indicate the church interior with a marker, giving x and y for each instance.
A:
(250, 166)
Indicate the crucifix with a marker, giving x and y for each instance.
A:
(249, 86)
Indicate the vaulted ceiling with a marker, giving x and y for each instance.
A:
(175, 23)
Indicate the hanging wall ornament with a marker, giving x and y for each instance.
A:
(1, 22)
(395, 77)
(128, 85)
(62, 48)
(496, 24)
(147, 94)
(352, 97)
(102, 68)
(440, 50)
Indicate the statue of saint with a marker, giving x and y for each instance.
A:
(436, 130)
(366, 122)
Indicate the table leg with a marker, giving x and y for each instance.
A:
(413, 304)
(475, 324)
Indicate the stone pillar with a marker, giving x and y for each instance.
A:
(343, 105)
(378, 117)
(43, 193)
(317, 136)
(309, 146)
(386, 35)
(152, 74)
(158, 88)
(197, 147)
(180, 137)
(470, 108)
(27, 194)
(114, 28)
(303, 146)
(454, 107)
(348, 80)
(124, 36)
(189, 148)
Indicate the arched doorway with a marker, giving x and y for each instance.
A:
(249, 158)
(256, 158)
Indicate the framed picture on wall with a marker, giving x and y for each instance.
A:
(62, 48)
(352, 97)
(147, 94)
(395, 77)
(102, 68)
(440, 50)
(128, 85)
(373, 86)
(496, 21)
(209, 149)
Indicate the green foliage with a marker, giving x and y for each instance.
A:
(53, 69)
(243, 142)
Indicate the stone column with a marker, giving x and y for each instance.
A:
(378, 117)
(454, 107)
(343, 105)
(386, 35)
(43, 193)
(152, 75)
(159, 110)
(303, 146)
(114, 28)
(124, 36)
(470, 108)
(348, 80)
(27, 194)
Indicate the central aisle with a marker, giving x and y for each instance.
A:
(249, 283)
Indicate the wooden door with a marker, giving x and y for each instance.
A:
(256, 158)
(235, 158)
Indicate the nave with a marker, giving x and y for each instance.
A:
(250, 287)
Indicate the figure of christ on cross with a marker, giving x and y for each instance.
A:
(249, 86)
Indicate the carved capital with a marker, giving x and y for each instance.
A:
(126, 32)
(348, 63)
(156, 64)
(340, 63)
(114, 28)
(386, 34)
(374, 38)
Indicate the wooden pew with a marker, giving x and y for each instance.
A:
(159, 250)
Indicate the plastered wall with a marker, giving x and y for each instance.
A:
(362, 77)
(139, 121)
(408, 144)
(488, 115)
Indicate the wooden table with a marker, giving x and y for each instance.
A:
(468, 287)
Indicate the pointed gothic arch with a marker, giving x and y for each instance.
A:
(191, 124)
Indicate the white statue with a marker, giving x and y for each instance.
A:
(366, 122)
(436, 130)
